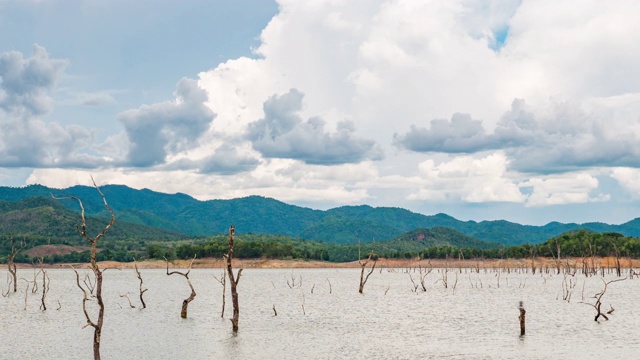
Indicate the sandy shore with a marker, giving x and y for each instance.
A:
(211, 263)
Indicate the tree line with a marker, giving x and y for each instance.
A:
(581, 243)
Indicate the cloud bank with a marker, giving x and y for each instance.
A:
(532, 103)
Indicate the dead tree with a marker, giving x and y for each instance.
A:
(363, 265)
(142, 291)
(522, 318)
(557, 257)
(423, 274)
(618, 267)
(82, 230)
(598, 302)
(185, 303)
(45, 289)
(233, 280)
(223, 282)
(11, 264)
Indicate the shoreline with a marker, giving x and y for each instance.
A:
(212, 263)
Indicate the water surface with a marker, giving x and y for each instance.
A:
(325, 317)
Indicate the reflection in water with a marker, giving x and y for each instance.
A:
(478, 319)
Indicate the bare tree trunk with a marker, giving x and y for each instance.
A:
(45, 289)
(223, 282)
(82, 230)
(363, 279)
(11, 264)
(185, 303)
(233, 280)
(142, 291)
(522, 318)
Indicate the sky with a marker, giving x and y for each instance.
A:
(526, 111)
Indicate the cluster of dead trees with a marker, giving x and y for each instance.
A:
(92, 287)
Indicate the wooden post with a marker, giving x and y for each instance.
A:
(522, 317)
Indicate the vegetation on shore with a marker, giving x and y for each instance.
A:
(48, 229)
(252, 246)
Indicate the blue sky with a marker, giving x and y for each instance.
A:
(520, 110)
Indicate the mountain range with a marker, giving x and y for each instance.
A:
(170, 215)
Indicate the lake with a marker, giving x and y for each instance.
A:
(326, 317)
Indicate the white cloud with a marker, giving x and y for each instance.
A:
(467, 179)
(563, 189)
(158, 130)
(26, 140)
(629, 179)
(559, 96)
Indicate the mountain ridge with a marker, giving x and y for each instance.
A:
(181, 213)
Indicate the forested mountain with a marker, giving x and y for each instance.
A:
(44, 219)
(181, 213)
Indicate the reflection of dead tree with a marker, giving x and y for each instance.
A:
(128, 299)
(185, 303)
(598, 302)
(82, 229)
(223, 282)
(11, 264)
(135, 264)
(233, 280)
(26, 292)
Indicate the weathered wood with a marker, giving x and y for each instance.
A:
(522, 318)
(11, 264)
(82, 230)
(185, 302)
(142, 291)
(233, 280)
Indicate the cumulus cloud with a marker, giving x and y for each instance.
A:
(282, 133)
(461, 134)
(26, 140)
(226, 160)
(391, 67)
(157, 130)
(26, 83)
(564, 189)
(559, 136)
(629, 179)
(467, 179)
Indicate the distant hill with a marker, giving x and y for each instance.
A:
(47, 219)
(180, 213)
(422, 238)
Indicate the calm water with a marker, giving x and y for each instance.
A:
(468, 322)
